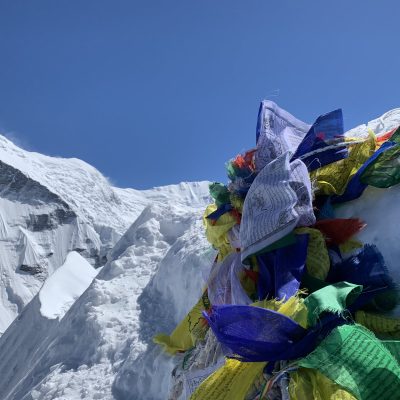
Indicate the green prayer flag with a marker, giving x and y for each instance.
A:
(356, 360)
(219, 193)
(396, 136)
(385, 170)
(394, 347)
(332, 298)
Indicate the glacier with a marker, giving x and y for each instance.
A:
(90, 272)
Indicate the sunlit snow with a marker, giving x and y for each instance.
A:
(65, 285)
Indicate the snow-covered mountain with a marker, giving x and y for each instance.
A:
(51, 206)
(101, 348)
(67, 336)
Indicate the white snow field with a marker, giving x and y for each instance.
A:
(51, 206)
(65, 285)
(89, 273)
(101, 348)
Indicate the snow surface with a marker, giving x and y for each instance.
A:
(155, 254)
(102, 348)
(379, 126)
(53, 214)
(51, 206)
(65, 285)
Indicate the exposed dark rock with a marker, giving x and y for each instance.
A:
(16, 186)
(41, 222)
(32, 269)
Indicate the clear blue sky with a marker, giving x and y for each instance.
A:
(158, 92)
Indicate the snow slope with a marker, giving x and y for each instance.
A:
(51, 206)
(101, 348)
(156, 258)
(65, 285)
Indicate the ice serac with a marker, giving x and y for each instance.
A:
(39, 320)
(47, 210)
(102, 348)
(65, 285)
(50, 206)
